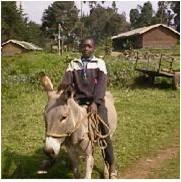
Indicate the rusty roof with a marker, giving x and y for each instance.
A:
(25, 45)
(142, 30)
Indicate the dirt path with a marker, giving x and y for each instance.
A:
(143, 167)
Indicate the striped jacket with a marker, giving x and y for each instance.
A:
(88, 78)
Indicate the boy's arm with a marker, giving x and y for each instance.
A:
(100, 88)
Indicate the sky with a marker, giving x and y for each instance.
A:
(34, 9)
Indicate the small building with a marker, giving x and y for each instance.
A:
(155, 36)
(12, 47)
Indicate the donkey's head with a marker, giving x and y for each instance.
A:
(57, 116)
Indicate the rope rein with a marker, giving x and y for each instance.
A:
(94, 131)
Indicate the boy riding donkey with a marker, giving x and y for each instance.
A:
(88, 77)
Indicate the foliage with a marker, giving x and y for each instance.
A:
(62, 13)
(15, 25)
(141, 16)
(134, 17)
(121, 72)
(163, 14)
(105, 22)
(12, 21)
(145, 16)
(175, 6)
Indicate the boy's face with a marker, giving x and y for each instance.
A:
(87, 48)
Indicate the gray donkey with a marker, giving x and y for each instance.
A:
(66, 124)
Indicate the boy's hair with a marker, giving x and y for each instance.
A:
(88, 38)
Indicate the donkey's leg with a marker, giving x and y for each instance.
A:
(86, 147)
(106, 171)
(89, 166)
(74, 160)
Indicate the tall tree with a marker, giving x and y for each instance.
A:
(34, 34)
(175, 6)
(13, 25)
(162, 12)
(134, 18)
(64, 13)
(146, 14)
(114, 6)
(104, 22)
(142, 16)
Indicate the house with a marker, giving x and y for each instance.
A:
(155, 36)
(12, 47)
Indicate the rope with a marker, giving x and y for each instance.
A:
(95, 134)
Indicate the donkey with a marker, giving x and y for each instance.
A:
(66, 124)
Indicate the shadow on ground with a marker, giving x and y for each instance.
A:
(16, 166)
(143, 82)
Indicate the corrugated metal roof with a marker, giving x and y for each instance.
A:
(142, 30)
(25, 45)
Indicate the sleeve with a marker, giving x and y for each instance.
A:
(67, 78)
(100, 88)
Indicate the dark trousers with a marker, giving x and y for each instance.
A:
(108, 151)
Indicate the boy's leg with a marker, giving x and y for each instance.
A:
(109, 155)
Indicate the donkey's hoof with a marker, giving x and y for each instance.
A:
(114, 175)
(46, 164)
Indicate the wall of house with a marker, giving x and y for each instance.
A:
(11, 49)
(159, 37)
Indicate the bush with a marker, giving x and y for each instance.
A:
(24, 69)
(121, 73)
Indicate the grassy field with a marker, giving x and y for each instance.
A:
(148, 118)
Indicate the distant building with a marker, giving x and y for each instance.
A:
(155, 36)
(12, 47)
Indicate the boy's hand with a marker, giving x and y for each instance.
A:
(92, 108)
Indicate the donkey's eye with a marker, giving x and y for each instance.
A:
(63, 118)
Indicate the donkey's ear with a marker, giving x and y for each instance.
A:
(67, 93)
(45, 82)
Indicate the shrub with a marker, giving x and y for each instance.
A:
(121, 73)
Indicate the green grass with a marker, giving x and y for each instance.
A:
(147, 119)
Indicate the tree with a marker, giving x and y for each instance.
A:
(15, 25)
(12, 22)
(64, 13)
(175, 6)
(114, 6)
(105, 22)
(161, 14)
(142, 16)
(34, 34)
(134, 18)
(146, 14)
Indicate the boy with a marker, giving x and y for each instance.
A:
(88, 76)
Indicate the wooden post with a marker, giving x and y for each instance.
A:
(62, 46)
(159, 67)
(59, 39)
(148, 62)
(136, 60)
